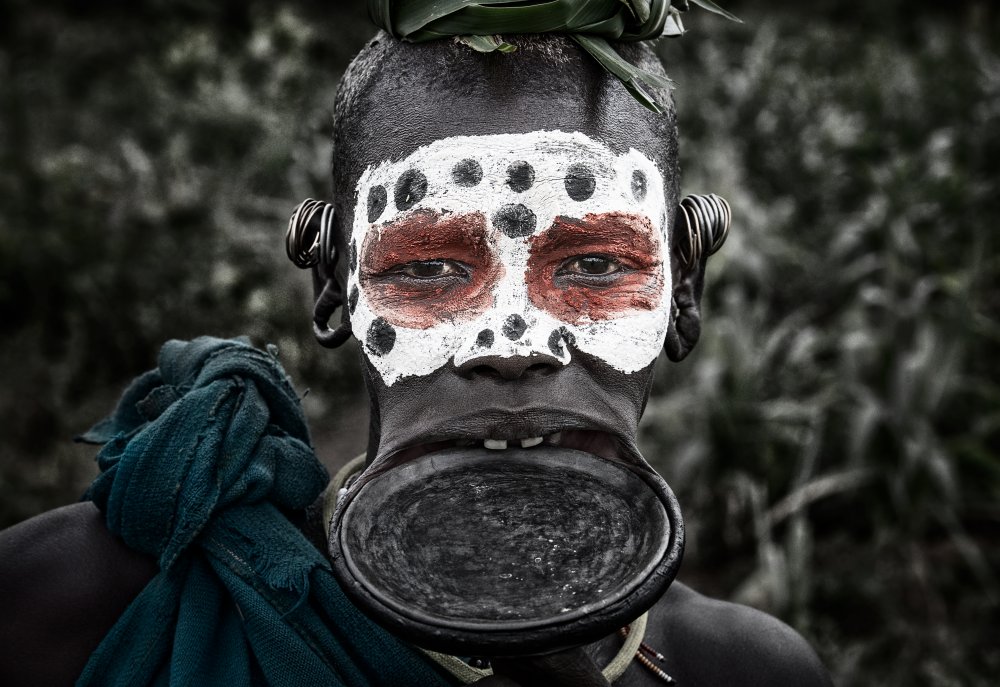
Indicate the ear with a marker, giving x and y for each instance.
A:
(701, 227)
(685, 311)
(309, 243)
(330, 299)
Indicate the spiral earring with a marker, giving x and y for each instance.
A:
(309, 239)
(705, 224)
(329, 300)
(308, 243)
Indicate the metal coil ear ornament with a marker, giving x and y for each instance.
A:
(329, 300)
(309, 242)
(705, 224)
(309, 239)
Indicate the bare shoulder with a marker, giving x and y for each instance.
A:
(712, 642)
(64, 581)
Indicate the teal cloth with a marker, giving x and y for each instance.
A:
(201, 457)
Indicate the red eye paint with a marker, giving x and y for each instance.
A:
(627, 238)
(428, 235)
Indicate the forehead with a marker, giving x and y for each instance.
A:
(523, 182)
(398, 98)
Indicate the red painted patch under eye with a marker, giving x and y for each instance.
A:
(427, 235)
(628, 239)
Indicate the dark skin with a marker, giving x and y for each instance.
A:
(65, 579)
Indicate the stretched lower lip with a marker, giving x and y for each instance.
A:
(594, 442)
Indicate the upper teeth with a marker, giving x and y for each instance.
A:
(500, 444)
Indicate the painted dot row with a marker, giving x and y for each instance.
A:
(411, 186)
(381, 336)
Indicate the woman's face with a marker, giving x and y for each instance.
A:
(534, 246)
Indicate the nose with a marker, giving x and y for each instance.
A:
(519, 344)
(512, 367)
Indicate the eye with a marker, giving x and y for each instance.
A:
(431, 269)
(590, 266)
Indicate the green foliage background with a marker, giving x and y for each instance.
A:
(833, 439)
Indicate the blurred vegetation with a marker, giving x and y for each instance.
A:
(833, 439)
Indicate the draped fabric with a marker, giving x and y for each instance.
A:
(201, 458)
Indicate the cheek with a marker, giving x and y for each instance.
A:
(425, 303)
(629, 239)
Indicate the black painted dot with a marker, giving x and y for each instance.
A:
(381, 337)
(520, 176)
(352, 300)
(555, 342)
(467, 173)
(485, 338)
(560, 337)
(353, 256)
(638, 185)
(515, 220)
(411, 187)
(377, 198)
(514, 327)
(580, 182)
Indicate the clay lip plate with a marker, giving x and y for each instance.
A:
(481, 542)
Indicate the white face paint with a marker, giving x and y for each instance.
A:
(510, 245)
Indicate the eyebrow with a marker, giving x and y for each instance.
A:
(424, 235)
(629, 234)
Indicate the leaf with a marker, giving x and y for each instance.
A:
(556, 16)
(633, 87)
(594, 12)
(417, 14)
(653, 27)
(380, 12)
(482, 19)
(655, 80)
(487, 43)
(673, 26)
(641, 9)
(712, 7)
(629, 74)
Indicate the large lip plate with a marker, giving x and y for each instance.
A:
(584, 623)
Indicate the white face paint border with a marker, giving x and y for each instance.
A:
(429, 179)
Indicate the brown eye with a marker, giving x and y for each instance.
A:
(431, 269)
(591, 265)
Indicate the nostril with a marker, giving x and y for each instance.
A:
(513, 367)
(539, 369)
(480, 371)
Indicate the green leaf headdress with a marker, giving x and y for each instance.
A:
(591, 23)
